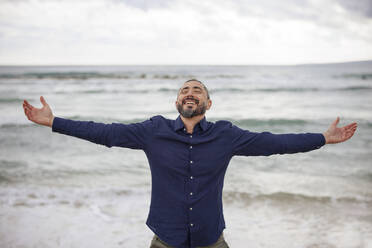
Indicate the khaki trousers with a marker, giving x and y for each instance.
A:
(158, 243)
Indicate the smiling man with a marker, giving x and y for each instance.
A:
(188, 158)
(192, 102)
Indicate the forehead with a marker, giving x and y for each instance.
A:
(192, 84)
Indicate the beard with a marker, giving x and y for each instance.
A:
(189, 113)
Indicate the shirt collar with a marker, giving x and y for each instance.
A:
(179, 124)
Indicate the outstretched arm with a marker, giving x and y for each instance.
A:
(336, 134)
(41, 116)
(249, 143)
(134, 135)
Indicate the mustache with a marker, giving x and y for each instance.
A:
(190, 98)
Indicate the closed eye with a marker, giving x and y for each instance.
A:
(184, 91)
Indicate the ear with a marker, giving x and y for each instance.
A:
(209, 104)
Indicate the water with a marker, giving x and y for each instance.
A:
(59, 191)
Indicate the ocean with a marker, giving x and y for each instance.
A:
(60, 191)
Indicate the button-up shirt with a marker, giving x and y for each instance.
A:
(188, 170)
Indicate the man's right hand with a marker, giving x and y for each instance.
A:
(42, 116)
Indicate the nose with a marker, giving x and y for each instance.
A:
(189, 92)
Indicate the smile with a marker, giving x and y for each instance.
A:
(190, 101)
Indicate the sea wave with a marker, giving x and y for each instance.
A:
(101, 75)
(265, 122)
(10, 125)
(124, 91)
(66, 75)
(9, 164)
(240, 122)
(173, 90)
(229, 197)
(10, 100)
(363, 76)
(287, 198)
(357, 88)
(245, 122)
(291, 89)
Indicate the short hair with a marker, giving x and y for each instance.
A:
(205, 87)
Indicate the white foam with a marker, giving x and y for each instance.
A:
(71, 217)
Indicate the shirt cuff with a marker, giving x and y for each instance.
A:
(58, 124)
(322, 141)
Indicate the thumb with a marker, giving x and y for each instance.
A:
(335, 123)
(42, 100)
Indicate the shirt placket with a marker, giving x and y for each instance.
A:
(190, 180)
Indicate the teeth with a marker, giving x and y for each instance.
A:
(190, 101)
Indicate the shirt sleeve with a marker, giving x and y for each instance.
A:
(133, 136)
(246, 143)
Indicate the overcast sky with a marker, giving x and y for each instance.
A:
(184, 31)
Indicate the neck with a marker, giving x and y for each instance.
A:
(191, 122)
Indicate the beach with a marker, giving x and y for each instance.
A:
(60, 191)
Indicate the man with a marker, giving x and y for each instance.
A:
(188, 158)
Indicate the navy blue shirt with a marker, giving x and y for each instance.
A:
(188, 170)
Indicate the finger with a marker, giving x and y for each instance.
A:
(28, 104)
(27, 113)
(27, 107)
(336, 121)
(24, 109)
(353, 127)
(350, 134)
(350, 131)
(350, 126)
(42, 100)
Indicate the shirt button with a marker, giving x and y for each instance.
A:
(190, 193)
(190, 209)
(190, 136)
(191, 224)
(184, 129)
(191, 162)
(190, 147)
(191, 177)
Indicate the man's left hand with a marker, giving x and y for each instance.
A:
(336, 134)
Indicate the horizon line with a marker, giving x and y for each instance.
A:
(84, 65)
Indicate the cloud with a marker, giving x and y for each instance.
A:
(362, 7)
(145, 5)
(183, 32)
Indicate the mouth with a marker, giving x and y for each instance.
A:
(190, 101)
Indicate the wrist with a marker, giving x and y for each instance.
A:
(51, 121)
(326, 138)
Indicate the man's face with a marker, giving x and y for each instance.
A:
(192, 100)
